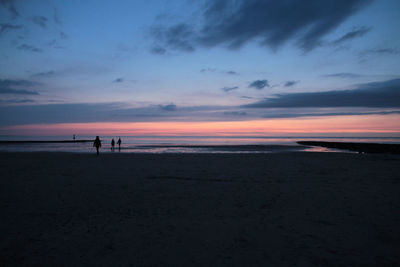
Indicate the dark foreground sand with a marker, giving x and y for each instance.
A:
(199, 209)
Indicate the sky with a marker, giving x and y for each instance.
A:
(210, 67)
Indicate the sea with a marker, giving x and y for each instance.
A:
(181, 144)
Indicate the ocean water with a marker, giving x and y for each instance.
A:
(182, 144)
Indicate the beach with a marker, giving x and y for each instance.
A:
(267, 209)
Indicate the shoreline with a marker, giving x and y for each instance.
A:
(357, 147)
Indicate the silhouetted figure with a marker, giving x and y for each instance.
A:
(112, 144)
(73, 137)
(119, 144)
(97, 144)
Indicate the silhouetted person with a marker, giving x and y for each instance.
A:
(112, 144)
(73, 137)
(119, 144)
(97, 144)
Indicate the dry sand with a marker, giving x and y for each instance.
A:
(286, 209)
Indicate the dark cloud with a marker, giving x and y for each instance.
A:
(16, 101)
(326, 114)
(17, 87)
(40, 21)
(158, 50)
(45, 74)
(29, 48)
(290, 83)
(259, 84)
(5, 27)
(9, 82)
(234, 23)
(169, 107)
(63, 35)
(360, 32)
(228, 89)
(118, 80)
(229, 72)
(345, 75)
(9, 5)
(382, 51)
(235, 113)
(5, 90)
(87, 112)
(377, 94)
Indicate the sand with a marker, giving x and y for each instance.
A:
(283, 209)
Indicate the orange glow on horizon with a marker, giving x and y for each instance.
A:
(334, 124)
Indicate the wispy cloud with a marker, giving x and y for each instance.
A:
(235, 23)
(228, 89)
(56, 17)
(290, 83)
(44, 74)
(5, 27)
(381, 51)
(16, 101)
(17, 87)
(259, 84)
(40, 21)
(32, 48)
(356, 33)
(376, 94)
(9, 5)
(118, 80)
(345, 75)
(215, 70)
(169, 107)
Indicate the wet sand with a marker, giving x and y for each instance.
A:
(279, 209)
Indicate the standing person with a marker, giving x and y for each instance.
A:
(97, 144)
(119, 144)
(112, 144)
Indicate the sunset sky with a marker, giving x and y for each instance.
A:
(211, 67)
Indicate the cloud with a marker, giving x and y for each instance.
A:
(234, 23)
(345, 75)
(87, 112)
(259, 84)
(158, 50)
(29, 48)
(213, 70)
(56, 17)
(381, 51)
(16, 101)
(9, 5)
(5, 90)
(40, 21)
(17, 87)
(290, 83)
(326, 114)
(45, 74)
(235, 113)
(177, 37)
(5, 27)
(118, 80)
(63, 35)
(351, 35)
(228, 89)
(169, 107)
(377, 94)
